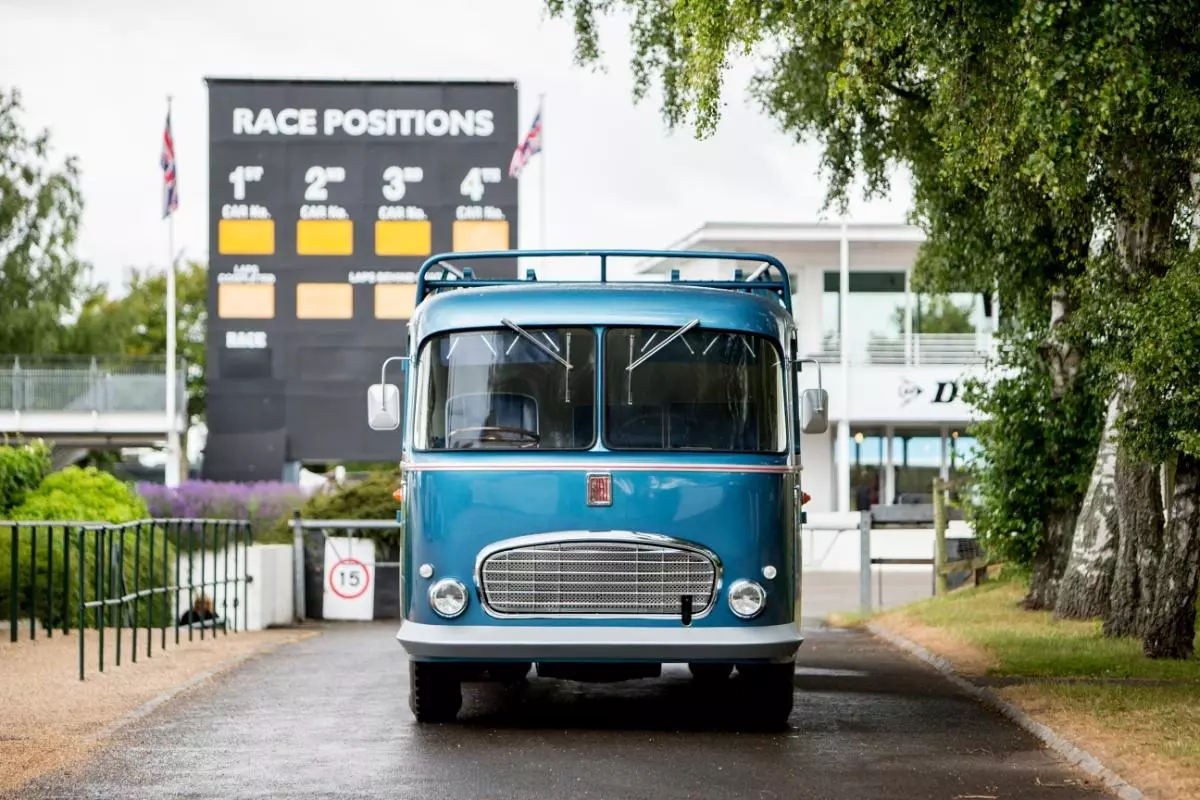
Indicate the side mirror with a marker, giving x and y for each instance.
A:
(814, 411)
(383, 407)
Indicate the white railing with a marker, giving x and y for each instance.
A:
(78, 384)
(915, 350)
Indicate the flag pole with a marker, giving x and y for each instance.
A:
(174, 459)
(542, 170)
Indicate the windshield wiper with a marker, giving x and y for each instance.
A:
(680, 332)
(530, 337)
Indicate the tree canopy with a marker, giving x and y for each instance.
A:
(1052, 146)
(135, 323)
(41, 280)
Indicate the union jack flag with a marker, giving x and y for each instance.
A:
(530, 146)
(170, 190)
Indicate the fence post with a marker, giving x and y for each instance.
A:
(298, 567)
(12, 590)
(864, 569)
(939, 534)
(82, 599)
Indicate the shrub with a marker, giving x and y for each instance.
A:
(21, 470)
(265, 504)
(81, 495)
(1035, 454)
(369, 498)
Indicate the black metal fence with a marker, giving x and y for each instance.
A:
(145, 579)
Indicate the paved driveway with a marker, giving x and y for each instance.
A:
(328, 717)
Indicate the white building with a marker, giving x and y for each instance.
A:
(896, 409)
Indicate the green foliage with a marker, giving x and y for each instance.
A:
(937, 314)
(1157, 337)
(41, 281)
(82, 495)
(61, 568)
(1036, 453)
(135, 323)
(370, 498)
(21, 470)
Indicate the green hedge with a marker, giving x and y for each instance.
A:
(80, 495)
(47, 568)
(370, 498)
(22, 469)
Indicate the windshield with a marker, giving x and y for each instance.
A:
(512, 389)
(704, 390)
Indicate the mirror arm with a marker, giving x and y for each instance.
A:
(383, 369)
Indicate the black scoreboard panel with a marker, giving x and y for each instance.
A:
(324, 199)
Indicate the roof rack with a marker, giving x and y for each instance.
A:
(759, 281)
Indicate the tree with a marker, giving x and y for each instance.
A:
(1157, 334)
(41, 280)
(1045, 139)
(884, 84)
(135, 324)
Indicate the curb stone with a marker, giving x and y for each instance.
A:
(1074, 755)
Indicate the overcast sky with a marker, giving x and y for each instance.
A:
(97, 75)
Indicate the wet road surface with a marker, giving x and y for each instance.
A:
(328, 717)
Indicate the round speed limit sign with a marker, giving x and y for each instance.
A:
(349, 578)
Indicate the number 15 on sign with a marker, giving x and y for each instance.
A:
(349, 584)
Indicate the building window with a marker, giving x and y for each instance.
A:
(868, 452)
(877, 307)
(917, 456)
(961, 450)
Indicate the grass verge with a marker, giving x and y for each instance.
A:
(1139, 716)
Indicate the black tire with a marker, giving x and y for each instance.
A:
(434, 692)
(768, 692)
(706, 672)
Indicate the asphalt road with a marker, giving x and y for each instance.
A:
(328, 717)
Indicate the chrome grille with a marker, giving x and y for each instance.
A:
(591, 577)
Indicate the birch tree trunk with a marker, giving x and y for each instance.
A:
(1085, 586)
(1140, 530)
(1170, 625)
(1063, 360)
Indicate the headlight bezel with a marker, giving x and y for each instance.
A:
(433, 590)
(743, 583)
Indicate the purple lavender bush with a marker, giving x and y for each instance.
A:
(264, 503)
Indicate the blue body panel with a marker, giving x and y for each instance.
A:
(740, 506)
(744, 517)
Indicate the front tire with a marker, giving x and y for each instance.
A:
(434, 691)
(769, 693)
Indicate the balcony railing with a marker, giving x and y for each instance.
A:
(84, 385)
(916, 350)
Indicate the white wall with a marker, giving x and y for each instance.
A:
(896, 394)
(824, 550)
(269, 594)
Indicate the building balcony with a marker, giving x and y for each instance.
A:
(919, 349)
(103, 399)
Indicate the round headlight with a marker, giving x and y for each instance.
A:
(448, 597)
(746, 598)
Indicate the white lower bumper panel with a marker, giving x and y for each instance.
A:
(598, 643)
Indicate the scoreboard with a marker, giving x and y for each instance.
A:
(324, 199)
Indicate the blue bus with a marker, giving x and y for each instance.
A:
(599, 477)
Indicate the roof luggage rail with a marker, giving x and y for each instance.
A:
(759, 281)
